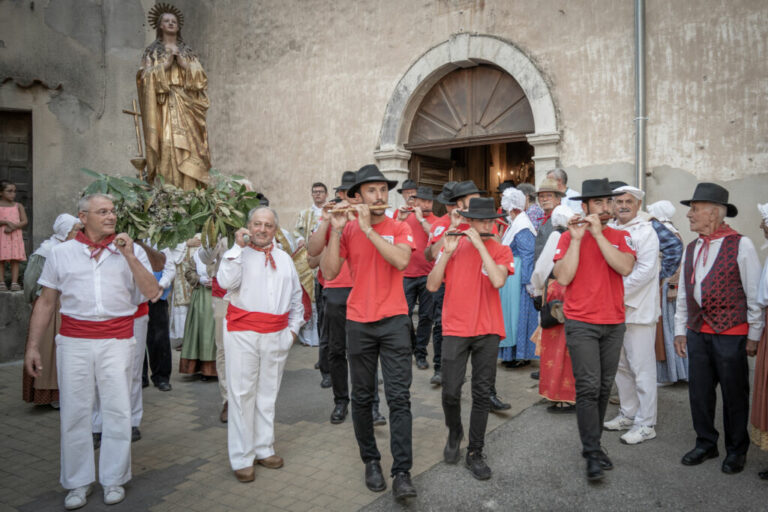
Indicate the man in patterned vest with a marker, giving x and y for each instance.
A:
(718, 324)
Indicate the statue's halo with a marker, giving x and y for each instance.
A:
(156, 13)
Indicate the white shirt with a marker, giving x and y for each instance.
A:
(544, 265)
(253, 286)
(749, 269)
(93, 290)
(573, 204)
(641, 286)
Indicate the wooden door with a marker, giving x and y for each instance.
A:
(16, 161)
(433, 172)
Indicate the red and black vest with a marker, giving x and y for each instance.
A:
(723, 302)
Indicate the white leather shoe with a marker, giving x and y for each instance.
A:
(113, 494)
(638, 434)
(620, 422)
(77, 498)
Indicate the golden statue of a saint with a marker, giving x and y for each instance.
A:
(174, 101)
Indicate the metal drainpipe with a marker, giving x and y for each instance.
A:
(640, 113)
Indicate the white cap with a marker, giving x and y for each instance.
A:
(662, 210)
(561, 215)
(512, 199)
(633, 191)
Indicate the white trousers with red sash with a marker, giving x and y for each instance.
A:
(254, 367)
(85, 367)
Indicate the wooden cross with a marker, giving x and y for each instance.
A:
(136, 115)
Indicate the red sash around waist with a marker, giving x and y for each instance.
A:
(264, 323)
(120, 328)
(737, 330)
(217, 290)
(142, 310)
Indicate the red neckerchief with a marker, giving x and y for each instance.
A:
(545, 218)
(721, 232)
(95, 247)
(267, 253)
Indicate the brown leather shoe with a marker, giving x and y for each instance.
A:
(245, 475)
(271, 462)
(224, 416)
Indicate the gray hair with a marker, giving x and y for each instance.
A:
(559, 174)
(84, 202)
(259, 208)
(529, 190)
(721, 211)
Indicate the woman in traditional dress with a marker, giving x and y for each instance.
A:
(758, 428)
(181, 294)
(198, 351)
(520, 317)
(45, 389)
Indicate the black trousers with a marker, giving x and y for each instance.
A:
(456, 352)
(713, 359)
(322, 352)
(437, 326)
(335, 320)
(595, 351)
(416, 290)
(388, 340)
(158, 343)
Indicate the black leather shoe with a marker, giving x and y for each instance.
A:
(699, 455)
(402, 487)
(339, 413)
(602, 458)
(535, 375)
(374, 479)
(452, 450)
(96, 440)
(437, 379)
(326, 382)
(135, 434)
(734, 463)
(164, 386)
(378, 419)
(422, 363)
(498, 405)
(475, 461)
(516, 363)
(594, 468)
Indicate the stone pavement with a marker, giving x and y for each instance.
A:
(181, 462)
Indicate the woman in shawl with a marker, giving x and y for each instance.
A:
(758, 423)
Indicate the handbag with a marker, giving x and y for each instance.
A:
(551, 314)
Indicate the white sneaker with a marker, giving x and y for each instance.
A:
(113, 494)
(77, 498)
(638, 434)
(620, 422)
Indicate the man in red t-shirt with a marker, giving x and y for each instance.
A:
(377, 249)
(590, 260)
(474, 268)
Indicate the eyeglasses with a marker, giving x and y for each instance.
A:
(101, 213)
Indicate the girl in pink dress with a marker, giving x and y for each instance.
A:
(13, 219)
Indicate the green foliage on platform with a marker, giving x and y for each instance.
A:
(167, 215)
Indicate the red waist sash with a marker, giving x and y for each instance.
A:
(142, 310)
(120, 328)
(264, 323)
(217, 290)
(736, 330)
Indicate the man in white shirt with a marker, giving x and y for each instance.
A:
(636, 374)
(99, 278)
(264, 314)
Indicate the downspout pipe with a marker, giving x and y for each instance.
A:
(641, 117)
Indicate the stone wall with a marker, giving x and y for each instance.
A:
(14, 320)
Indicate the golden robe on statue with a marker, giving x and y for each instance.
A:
(174, 103)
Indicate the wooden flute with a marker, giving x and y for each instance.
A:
(376, 207)
(462, 233)
(585, 221)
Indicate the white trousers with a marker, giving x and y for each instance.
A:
(636, 375)
(85, 366)
(220, 322)
(140, 326)
(255, 364)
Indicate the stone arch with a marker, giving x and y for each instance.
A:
(462, 51)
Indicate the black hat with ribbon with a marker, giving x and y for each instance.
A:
(445, 195)
(590, 189)
(369, 174)
(482, 208)
(465, 188)
(425, 193)
(347, 180)
(408, 185)
(712, 193)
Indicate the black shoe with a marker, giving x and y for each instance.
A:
(602, 458)
(163, 386)
(135, 434)
(437, 379)
(734, 463)
(475, 461)
(535, 375)
(516, 363)
(561, 408)
(402, 487)
(378, 419)
(339, 413)
(374, 479)
(699, 455)
(498, 405)
(422, 363)
(452, 450)
(326, 382)
(96, 440)
(594, 467)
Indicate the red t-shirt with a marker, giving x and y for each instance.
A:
(377, 291)
(472, 306)
(596, 294)
(344, 279)
(419, 266)
(444, 223)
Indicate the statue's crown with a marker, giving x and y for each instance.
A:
(156, 14)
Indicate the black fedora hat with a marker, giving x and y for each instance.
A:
(504, 185)
(369, 174)
(425, 193)
(616, 184)
(408, 185)
(464, 188)
(445, 195)
(712, 193)
(591, 189)
(482, 208)
(347, 180)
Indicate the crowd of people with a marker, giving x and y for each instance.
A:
(602, 291)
